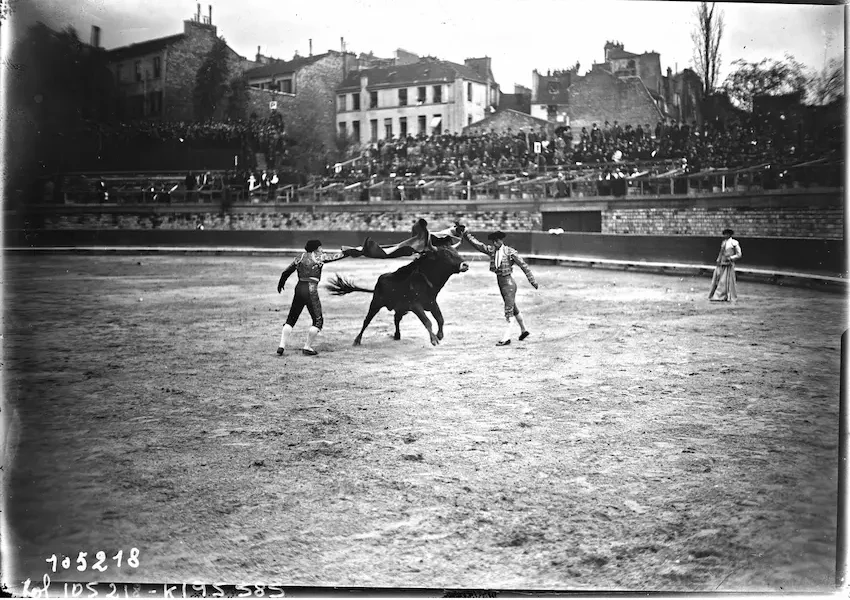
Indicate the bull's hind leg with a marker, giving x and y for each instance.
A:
(438, 317)
(373, 310)
(420, 312)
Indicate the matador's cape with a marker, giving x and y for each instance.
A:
(421, 241)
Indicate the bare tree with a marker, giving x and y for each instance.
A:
(828, 85)
(706, 37)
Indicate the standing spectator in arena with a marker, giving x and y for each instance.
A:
(723, 283)
(502, 259)
(308, 265)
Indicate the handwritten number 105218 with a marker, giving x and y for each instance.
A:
(98, 562)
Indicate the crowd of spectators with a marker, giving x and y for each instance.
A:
(252, 136)
(737, 143)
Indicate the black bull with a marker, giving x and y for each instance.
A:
(412, 288)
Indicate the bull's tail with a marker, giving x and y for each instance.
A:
(339, 286)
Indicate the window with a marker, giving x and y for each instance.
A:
(157, 66)
(119, 73)
(402, 127)
(156, 103)
(554, 87)
(138, 70)
(402, 97)
(355, 101)
(438, 94)
(341, 102)
(435, 124)
(421, 95)
(469, 92)
(676, 99)
(355, 131)
(373, 124)
(373, 99)
(423, 124)
(285, 86)
(342, 130)
(388, 129)
(469, 120)
(551, 111)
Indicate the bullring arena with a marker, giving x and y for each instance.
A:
(642, 438)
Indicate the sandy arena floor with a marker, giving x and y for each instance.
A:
(641, 439)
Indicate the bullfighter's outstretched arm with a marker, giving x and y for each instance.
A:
(286, 273)
(525, 269)
(481, 247)
(332, 256)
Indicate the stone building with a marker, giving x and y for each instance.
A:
(301, 91)
(426, 96)
(155, 79)
(626, 87)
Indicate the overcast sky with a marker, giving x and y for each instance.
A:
(519, 35)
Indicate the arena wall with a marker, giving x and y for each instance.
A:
(791, 231)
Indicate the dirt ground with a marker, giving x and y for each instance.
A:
(641, 439)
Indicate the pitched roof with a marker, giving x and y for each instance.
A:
(535, 121)
(146, 47)
(424, 71)
(283, 67)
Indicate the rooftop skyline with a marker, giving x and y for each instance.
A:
(518, 35)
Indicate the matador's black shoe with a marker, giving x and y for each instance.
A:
(279, 351)
(524, 335)
(309, 351)
(506, 343)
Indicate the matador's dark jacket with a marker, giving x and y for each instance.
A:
(309, 266)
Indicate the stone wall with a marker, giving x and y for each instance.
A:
(183, 59)
(819, 222)
(807, 214)
(298, 221)
(599, 96)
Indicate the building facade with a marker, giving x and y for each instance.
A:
(155, 79)
(626, 87)
(426, 97)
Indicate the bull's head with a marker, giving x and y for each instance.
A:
(446, 257)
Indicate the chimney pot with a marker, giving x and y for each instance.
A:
(210, 7)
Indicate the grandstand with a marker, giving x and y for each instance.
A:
(251, 163)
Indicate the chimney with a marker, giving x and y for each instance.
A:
(210, 7)
(95, 36)
(311, 47)
(259, 56)
(199, 12)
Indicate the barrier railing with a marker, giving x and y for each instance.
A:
(504, 187)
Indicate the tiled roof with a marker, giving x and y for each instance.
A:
(424, 71)
(146, 47)
(283, 67)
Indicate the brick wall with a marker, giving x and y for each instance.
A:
(599, 96)
(816, 222)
